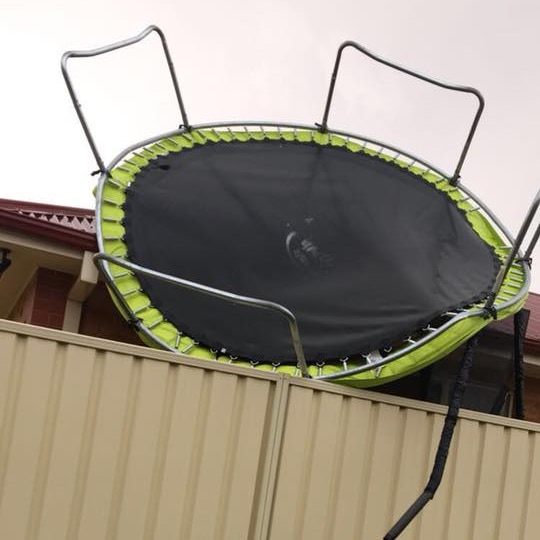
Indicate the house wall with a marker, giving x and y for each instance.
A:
(103, 440)
(101, 318)
(44, 301)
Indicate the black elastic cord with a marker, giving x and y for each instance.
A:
(444, 444)
(519, 336)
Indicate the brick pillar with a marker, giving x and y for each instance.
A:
(50, 296)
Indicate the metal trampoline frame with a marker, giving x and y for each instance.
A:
(498, 299)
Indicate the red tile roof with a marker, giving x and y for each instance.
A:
(68, 225)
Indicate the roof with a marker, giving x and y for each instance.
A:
(65, 224)
(532, 340)
(77, 226)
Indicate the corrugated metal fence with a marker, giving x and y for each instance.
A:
(103, 441)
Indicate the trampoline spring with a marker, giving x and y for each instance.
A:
(411, 164)
(142, 308)
(133, 164)
(113, 203)
(130, 291)
(111, 238)
(254, 363)
(233, 358)
(203, 137)
(111, 180)
(111, 219)
(380, 151)
(161, 147)
(188, 348)
(142, 157)
(177, 340)
(440, 181)
(123, 169)
(155, 323)
(173, 145)
(122, 275)
(344, 361)
(471, 210)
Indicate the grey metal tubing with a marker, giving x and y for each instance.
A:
(524, 229)
(217, 293)
(457, 88)
(106, 49)
(402, 352)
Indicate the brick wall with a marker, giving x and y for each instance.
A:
(101, 318)
(44, 301)
(52, 289)
(532, 399)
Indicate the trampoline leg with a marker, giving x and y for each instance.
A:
(444, 444)
(519, 336)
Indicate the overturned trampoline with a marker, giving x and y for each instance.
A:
(300, 249)
(305, 250)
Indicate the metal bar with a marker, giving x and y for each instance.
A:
(217, 293)
(466, 89)
(106, 49)
(515, 250)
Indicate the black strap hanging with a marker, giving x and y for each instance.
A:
(519, 336)
(444, 444)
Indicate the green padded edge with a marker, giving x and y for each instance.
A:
(112, 231)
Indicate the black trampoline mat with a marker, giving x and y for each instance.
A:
(362, 251)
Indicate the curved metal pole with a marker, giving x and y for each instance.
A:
(524, 229)
(218, 293)
(373, 56)
(108, 48)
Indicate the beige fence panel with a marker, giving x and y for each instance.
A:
(350, 465)
(97, 444)
(107, 441)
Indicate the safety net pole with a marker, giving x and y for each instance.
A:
(519, 336)
(444, 444)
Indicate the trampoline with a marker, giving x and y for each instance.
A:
(305, 250)
(298, 249)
